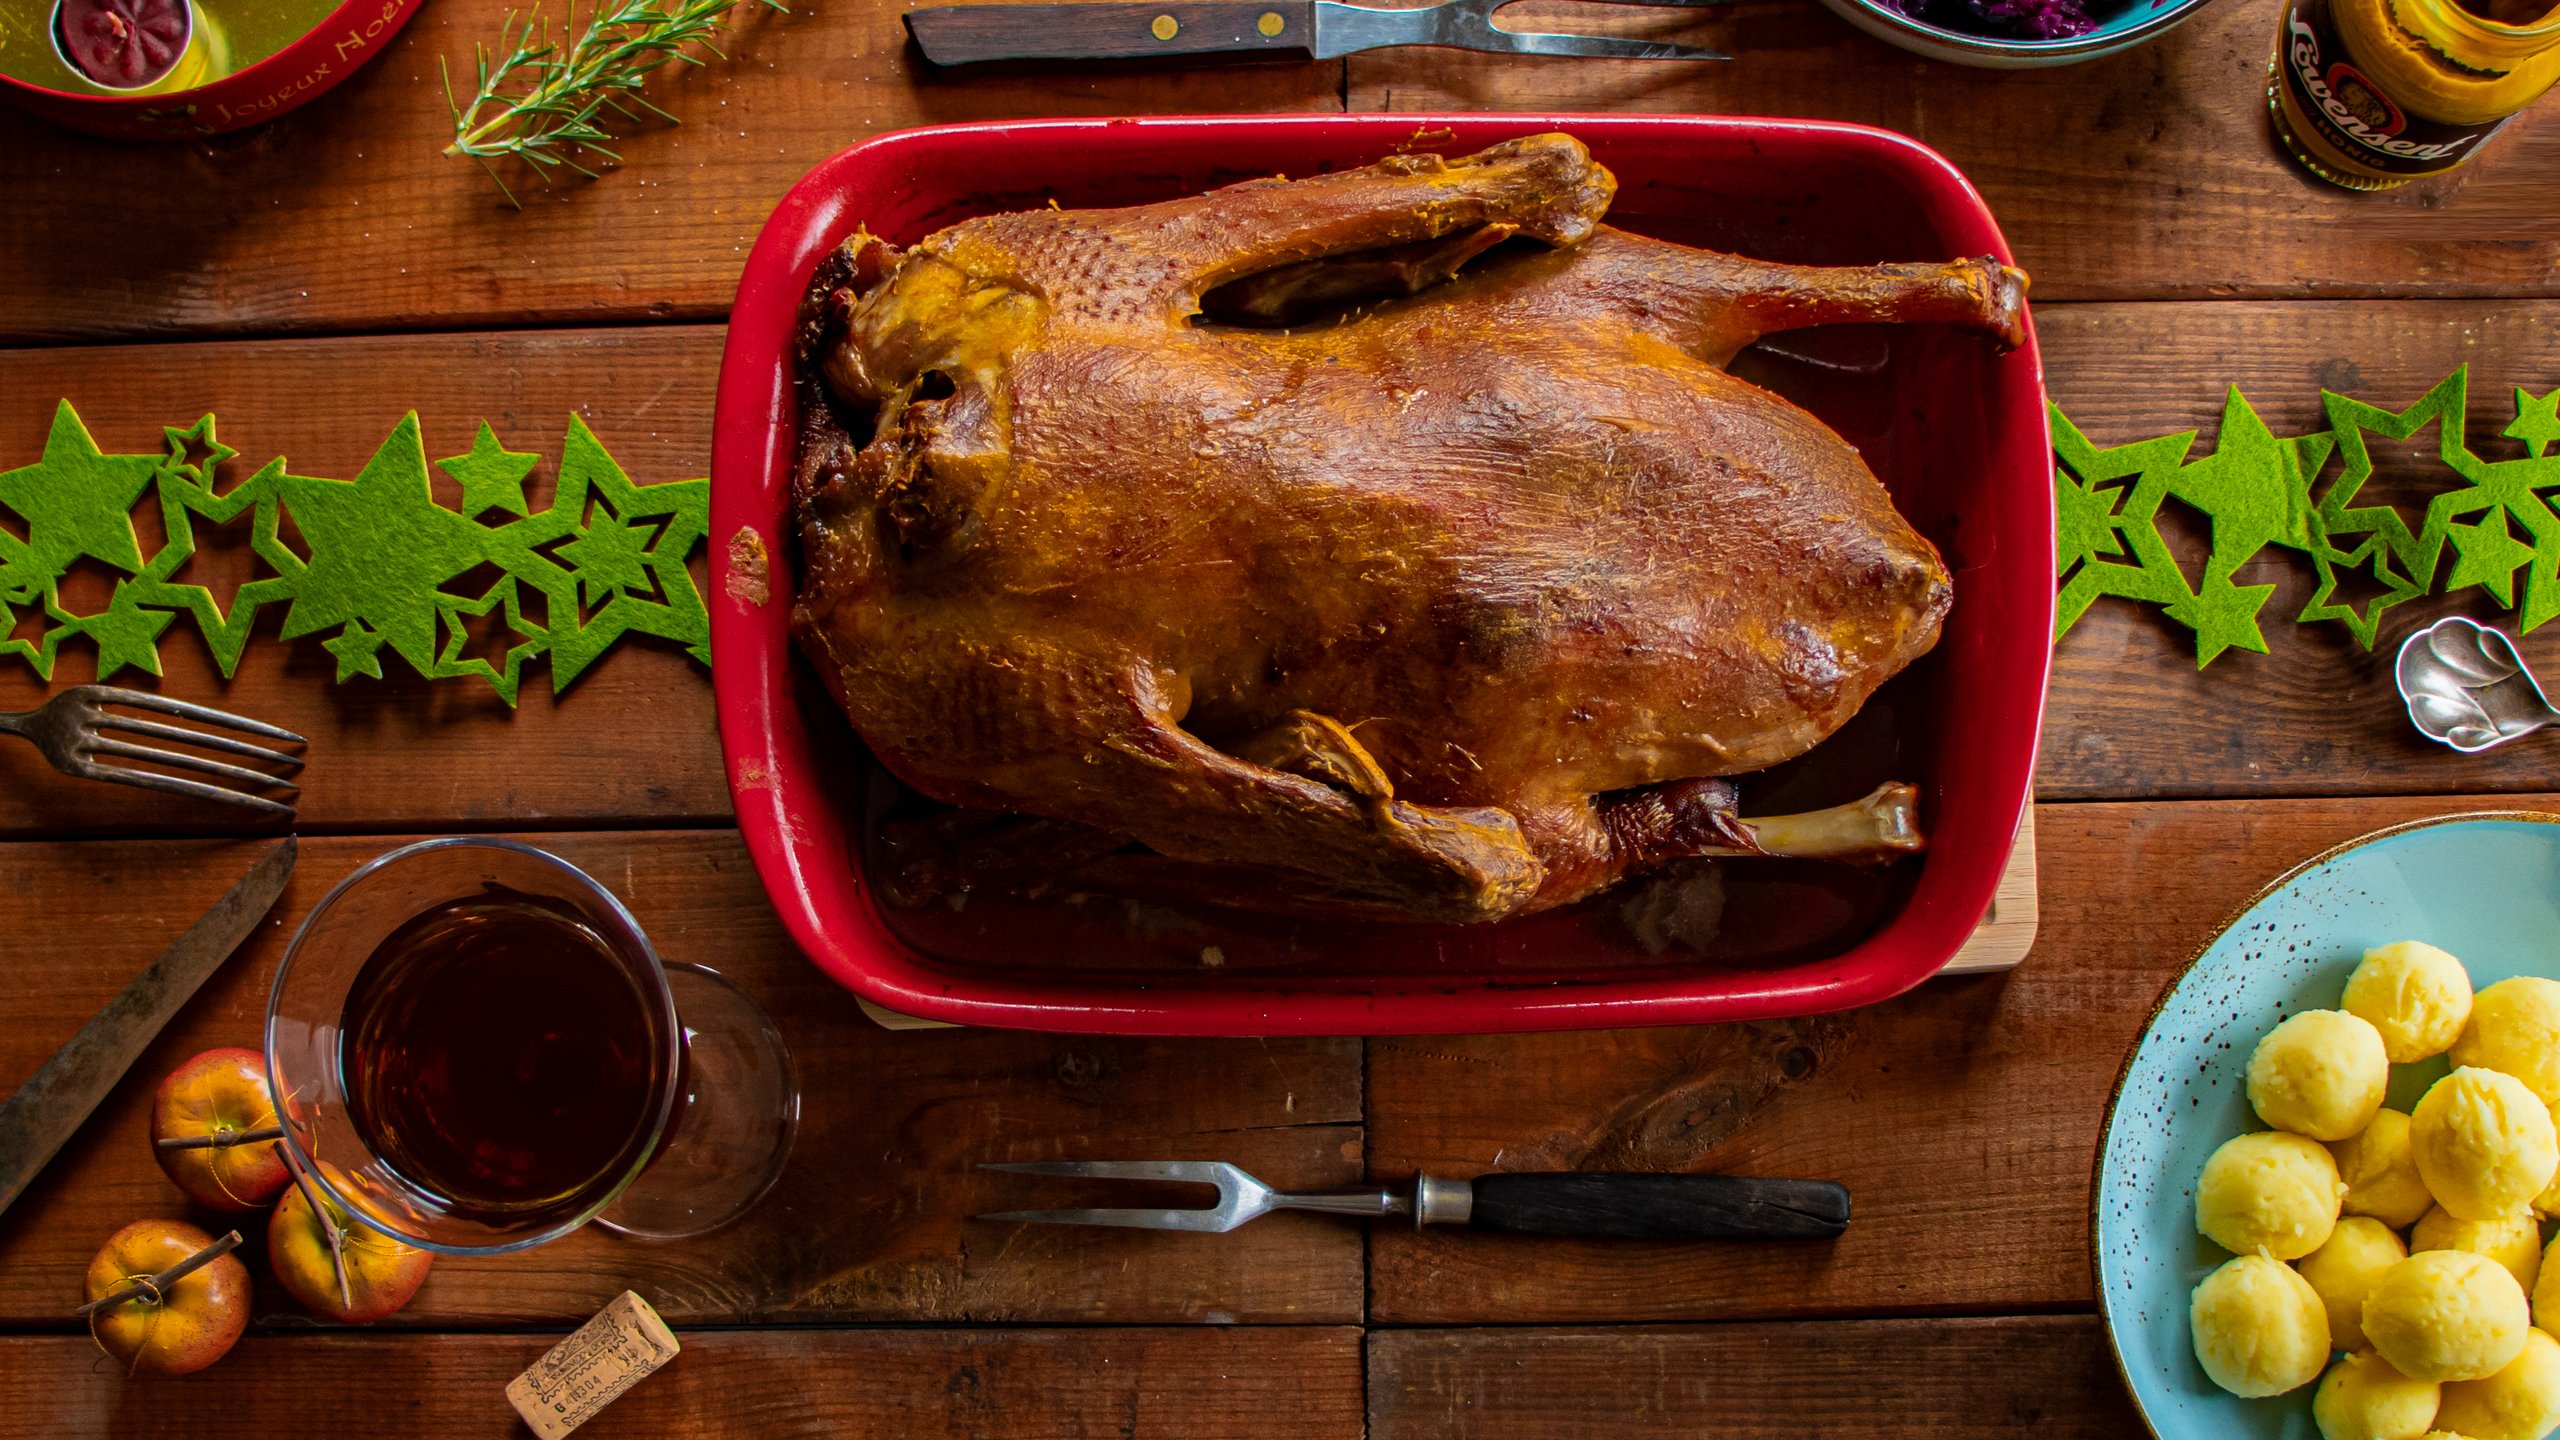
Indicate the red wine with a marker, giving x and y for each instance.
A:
(500, 1055)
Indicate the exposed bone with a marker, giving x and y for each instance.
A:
(1878, 828)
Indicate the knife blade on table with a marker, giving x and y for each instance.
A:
(46, 1111)
(1305, 29)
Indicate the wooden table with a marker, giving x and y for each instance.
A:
(313, 279)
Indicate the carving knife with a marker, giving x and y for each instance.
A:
(1279, 29)
(44, 1113)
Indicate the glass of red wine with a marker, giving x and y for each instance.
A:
(475, 1050)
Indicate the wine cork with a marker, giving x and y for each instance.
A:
(586, 1372)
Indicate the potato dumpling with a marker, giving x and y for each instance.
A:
(2269, 1191)
(2514, 1241)
(2484, 1143)
(2446, 1315)
(2418, 996)
(2343, 1272)
(2363, 1398)
(2515, 1029)
(2381, 1173)
(2259, 1329)
(2321, 1073)
(2546, 1292)
(2520, 1402)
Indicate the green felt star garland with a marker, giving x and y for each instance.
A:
(2259, 489)
(376, 557)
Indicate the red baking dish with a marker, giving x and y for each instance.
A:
(1957, 432)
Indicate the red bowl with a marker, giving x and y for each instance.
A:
(1956, 431)
(352, 34)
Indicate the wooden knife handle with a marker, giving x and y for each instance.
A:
(1660, 1207)
(967, 34)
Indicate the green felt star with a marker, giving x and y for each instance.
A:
(363, 562)
(380, 545)
(2084, 522)
(608, 556)
(14, 646)
(185, 445)
(588, 474)
(492, 475)
(358, 651)
(2255, 489)
(2223, 615)
(2154, 576)
(2374, 556)
(76, 501)
(2537, 422)
(2415, 553)
(124, 633)
(2487, 556)
(182, 502)
(504, 678)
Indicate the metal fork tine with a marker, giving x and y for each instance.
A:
(1188, 1172)
(1216, 1222)
(223, 743)
(145, 700)
(176, 786)
(197, 763)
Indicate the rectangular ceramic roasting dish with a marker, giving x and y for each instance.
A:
(1956, 431)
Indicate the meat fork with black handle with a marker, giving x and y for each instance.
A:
(1621, 1206)
(1282, 29)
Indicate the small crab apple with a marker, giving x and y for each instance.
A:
(165, 1298)
(381, 1273)
(213, 1129)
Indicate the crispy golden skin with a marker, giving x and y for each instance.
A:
(1384, 614)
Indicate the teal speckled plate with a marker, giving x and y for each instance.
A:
(2486, 887)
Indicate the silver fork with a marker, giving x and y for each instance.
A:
(1586, 1203)
(71, 730)
(1315, 29)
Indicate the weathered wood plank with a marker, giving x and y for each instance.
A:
(1963, 1117)
(1285, 1383)
(2129, 715)
(869, 1222)
(633, 739)
(2146, 174)
(344, 215)
(1958, 1379)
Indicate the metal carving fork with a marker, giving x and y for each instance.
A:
(1306, 29)
(1584, 1203)
(73, 729)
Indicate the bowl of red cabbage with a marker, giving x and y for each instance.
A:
(2014, 34)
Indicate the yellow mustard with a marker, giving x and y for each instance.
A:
(2370, 94)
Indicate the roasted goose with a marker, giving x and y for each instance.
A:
(1450, 606)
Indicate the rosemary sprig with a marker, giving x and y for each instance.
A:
(543, 105)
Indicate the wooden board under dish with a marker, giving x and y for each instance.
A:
(2007, 931)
